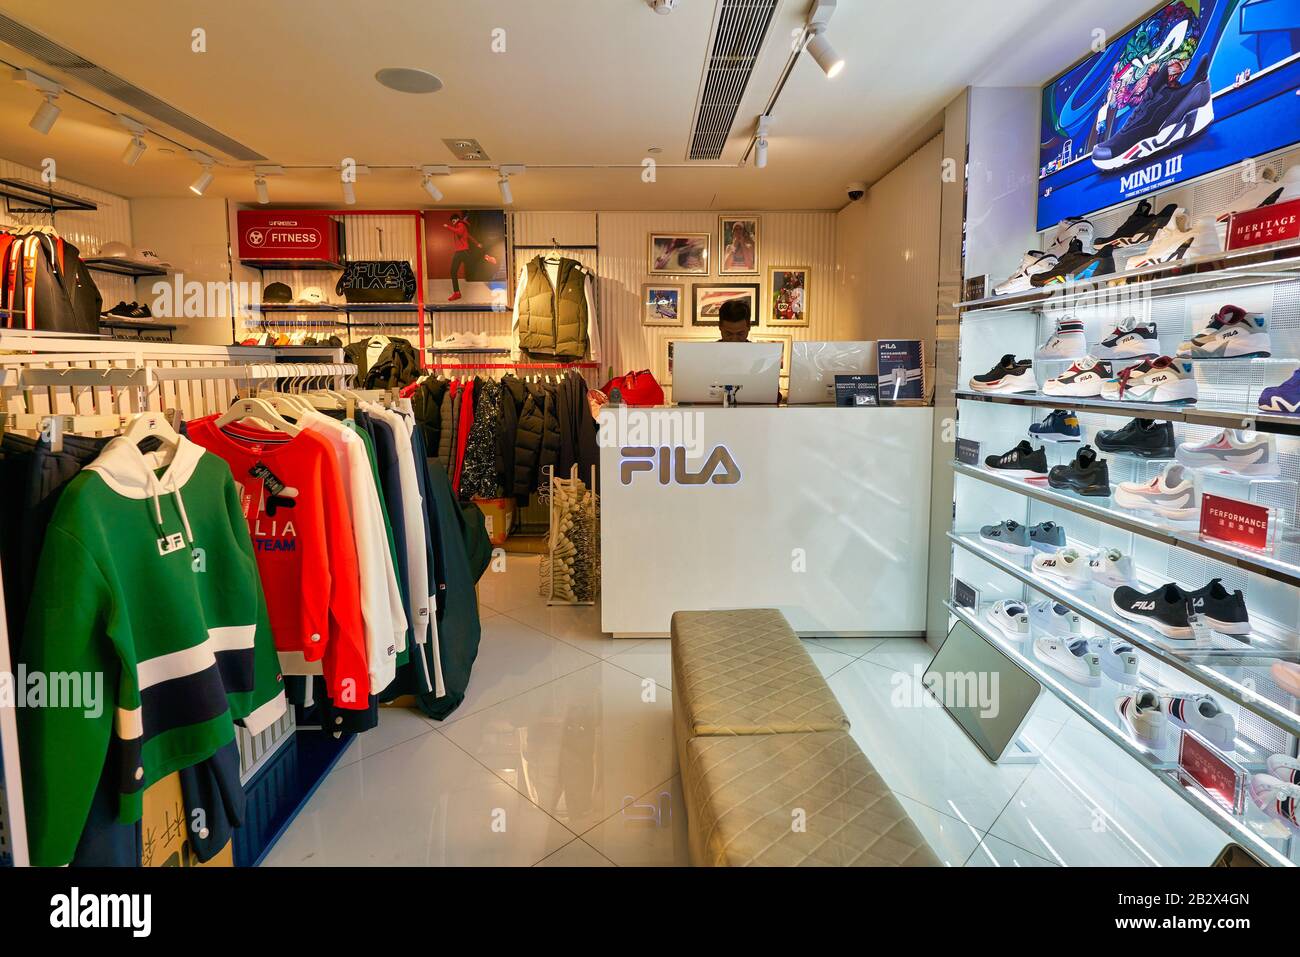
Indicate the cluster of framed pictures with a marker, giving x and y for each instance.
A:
(688, 254)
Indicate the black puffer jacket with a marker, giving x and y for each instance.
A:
(512, 401)
(427, 405)
(528, 440)
(550, 451)
(396, 366)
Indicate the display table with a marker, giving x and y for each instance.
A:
(819, 511)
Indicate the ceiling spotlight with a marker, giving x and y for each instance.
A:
(45, 115)
(263, 194)
(818, 46)
(407, 80)
(760, 146)
(203, 182)
(134, 150)
(507, 196)
(426, 180)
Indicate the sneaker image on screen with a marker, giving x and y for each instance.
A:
(1171, 113)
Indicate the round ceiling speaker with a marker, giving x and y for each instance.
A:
(407, 80)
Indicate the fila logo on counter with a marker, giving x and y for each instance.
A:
(670, 462)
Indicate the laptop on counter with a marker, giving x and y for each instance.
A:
(702, 369)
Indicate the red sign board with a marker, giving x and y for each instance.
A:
(1267, 224)
(287, 234)
(1233, 521)
(1210, 769)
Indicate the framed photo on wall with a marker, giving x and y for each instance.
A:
(738, 245)
(707, 300)
(788, 296)
(661, 304)
(678, 254)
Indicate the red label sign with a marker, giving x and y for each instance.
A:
(1267, 224)
(287, 234)
(1235, 522)
(1210, 769)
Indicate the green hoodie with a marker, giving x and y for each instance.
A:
(147, 578)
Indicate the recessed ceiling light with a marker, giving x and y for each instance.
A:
(407, 80)
(655, 149)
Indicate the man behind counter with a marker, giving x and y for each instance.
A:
(733, 321)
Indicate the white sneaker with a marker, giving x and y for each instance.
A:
(1009, 617)
(1284, 768)
(1173, 493)
(1269, 191)
(1143, 716)
(1231, 333)
(1277, 799)
(1111, 567)
(1066, 567)
(1071, 657)
(1172, 243)
(1068, 230)
(1036, 261)
(1233, 450)
(1119, 659)
(1131, 339)
(1053, 618)
(1202, 714)
(1067, 342)
(1154, 380)
(1084, 378)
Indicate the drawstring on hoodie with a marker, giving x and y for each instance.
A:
(156, 491)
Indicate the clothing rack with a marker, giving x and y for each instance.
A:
(512, 365)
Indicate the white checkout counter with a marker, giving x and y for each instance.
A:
(820, 511)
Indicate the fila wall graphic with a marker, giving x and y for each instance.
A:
(1197, 86)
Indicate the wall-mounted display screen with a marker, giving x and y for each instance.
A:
(1197, 86)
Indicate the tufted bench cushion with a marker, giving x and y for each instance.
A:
(746, 672)
(745, 790)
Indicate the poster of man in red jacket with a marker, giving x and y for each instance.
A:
(465, 255)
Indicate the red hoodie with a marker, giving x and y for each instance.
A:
(297, 511)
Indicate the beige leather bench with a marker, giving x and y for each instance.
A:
(769, 772)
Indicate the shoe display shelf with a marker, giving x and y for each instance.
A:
(1096, 705)
(1179, 299)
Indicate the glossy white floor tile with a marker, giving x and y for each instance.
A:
(649, 831)
(562, 756)
(576, 854)
(580, 746)
(420, 803)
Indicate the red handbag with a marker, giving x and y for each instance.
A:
(637, 388)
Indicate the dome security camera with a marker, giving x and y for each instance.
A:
(663, 7)
(856, 191)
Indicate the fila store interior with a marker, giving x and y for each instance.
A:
(481, 442)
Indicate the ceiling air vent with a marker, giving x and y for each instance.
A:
(737, 39)
(61, 58)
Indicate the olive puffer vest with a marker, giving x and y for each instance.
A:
(553, 319)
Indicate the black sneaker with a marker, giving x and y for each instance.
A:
(1171, 112)
(1024, 461)
(1075, 265)
(1164, 609)
(122, 310)
(1140, 228)
(1145, 438)
(1087, 474)
(1009, 376)
(1224, 611)
(1047, 537)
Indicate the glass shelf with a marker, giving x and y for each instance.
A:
(1249, 419)
(1245, 267)
(1235, 670)
(1249, 828)
(1283, 564)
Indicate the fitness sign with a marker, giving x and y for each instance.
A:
(293, 235)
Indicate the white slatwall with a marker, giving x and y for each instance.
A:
(111, 222)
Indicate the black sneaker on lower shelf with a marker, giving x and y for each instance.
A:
(1224, 611)
(1024, 461)
(1087, 474)
(1164, 609)
(1145, 438)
